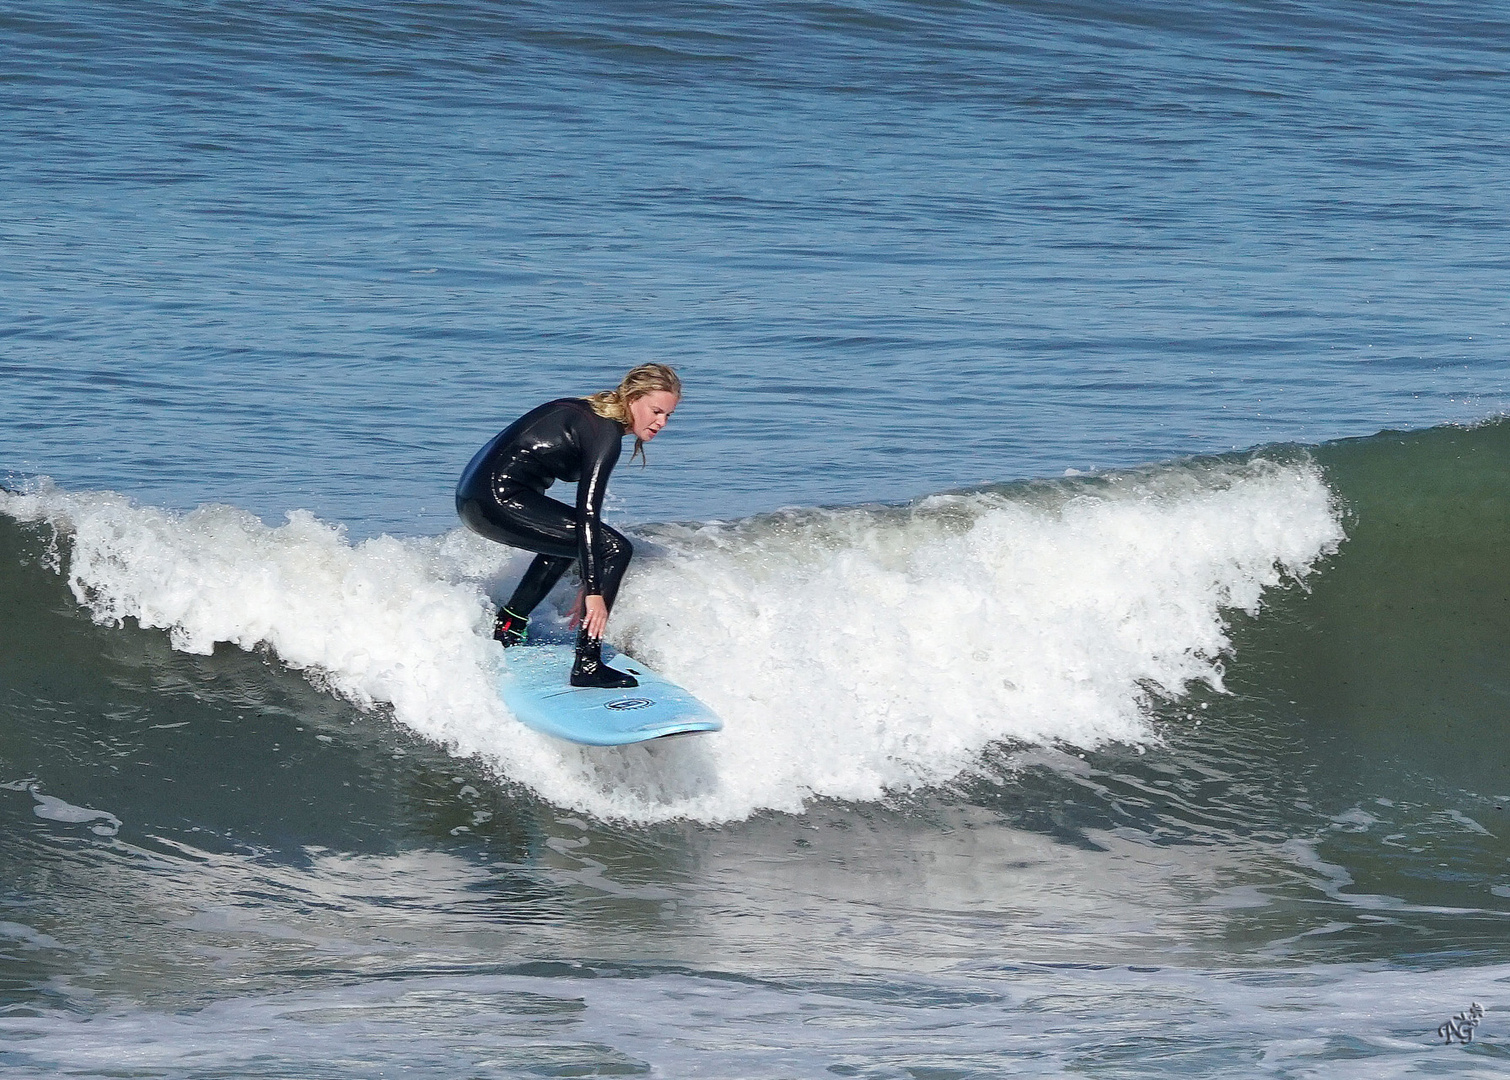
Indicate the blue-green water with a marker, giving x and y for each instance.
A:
(1050, 749)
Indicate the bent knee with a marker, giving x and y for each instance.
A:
(620, 549)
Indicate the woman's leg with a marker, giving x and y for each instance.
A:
(546, 570)
(617, 551)
(589, 669)
(537, 583)
(536, 522)
(540, 524)
(512, 624)
(546, 527)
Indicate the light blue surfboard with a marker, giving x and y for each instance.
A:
(536, 687)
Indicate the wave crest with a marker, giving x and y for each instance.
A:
(851, 652)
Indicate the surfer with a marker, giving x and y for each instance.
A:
(501, 495)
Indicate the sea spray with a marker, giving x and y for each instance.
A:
(862, 650)
(851, 652)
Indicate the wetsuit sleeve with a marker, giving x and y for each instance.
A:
(600, 453)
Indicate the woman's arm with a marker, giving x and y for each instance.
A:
(601, 442)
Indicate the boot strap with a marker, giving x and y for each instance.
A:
(512, 622)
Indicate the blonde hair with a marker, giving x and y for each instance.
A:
(645, 379)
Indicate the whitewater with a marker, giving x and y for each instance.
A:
(852, 652)
(1087, 512)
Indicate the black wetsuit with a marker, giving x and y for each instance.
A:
(502, 496)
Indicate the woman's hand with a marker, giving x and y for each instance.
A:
(595, 621)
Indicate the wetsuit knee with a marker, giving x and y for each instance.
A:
(617, 547)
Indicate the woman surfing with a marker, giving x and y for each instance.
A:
(501, 495)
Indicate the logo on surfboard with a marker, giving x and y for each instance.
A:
(629, 703)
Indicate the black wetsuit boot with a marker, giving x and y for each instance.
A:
(589, 670)
(509, 628)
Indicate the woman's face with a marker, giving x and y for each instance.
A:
(648, 413)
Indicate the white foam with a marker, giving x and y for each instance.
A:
(50, 808)
(850, 652)
(1342, 1022)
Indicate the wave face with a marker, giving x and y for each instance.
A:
(1395, 657)
(852, 652)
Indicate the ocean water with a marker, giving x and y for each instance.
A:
(1088, 513)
